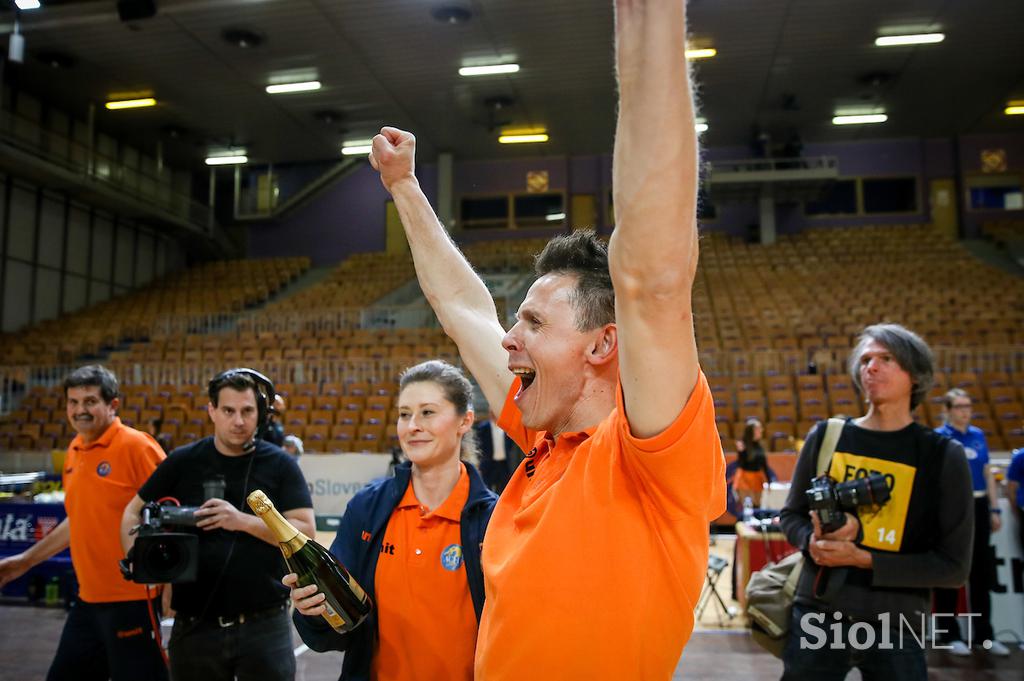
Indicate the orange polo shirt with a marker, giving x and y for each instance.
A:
(597, 549)
(99, 480)
(426, 621)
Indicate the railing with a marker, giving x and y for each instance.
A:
(15, 382)
(760, 165)
(91, 164)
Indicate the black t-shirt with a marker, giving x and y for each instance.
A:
(243, 572)
(917, 538)
(753, 460)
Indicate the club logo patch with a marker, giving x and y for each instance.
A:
(451, 557)
(103, 469)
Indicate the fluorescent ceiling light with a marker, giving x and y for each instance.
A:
(27, 4)
(858, 119)
(702, 53)
(356, 150)
(488, 70)
(911, 39)
(523, 138)
(130, 103)
(226, 157)
(227, 160)
(283, 88)
(1014, 108)
(555, 217)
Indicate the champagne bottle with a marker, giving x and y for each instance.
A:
(346, 605)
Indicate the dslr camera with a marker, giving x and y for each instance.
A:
(162, 554)
(830, 499)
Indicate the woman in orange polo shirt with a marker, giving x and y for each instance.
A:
(413, 542)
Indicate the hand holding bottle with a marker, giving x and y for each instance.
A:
(308, 600)
(344, 604)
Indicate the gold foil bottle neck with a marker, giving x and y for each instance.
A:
(259, 502)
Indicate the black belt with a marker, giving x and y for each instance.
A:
(225, 621)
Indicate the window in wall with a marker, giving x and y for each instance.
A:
(537, 210)
(890, 194)
(483, 211)
(997, 192)
(840, 198)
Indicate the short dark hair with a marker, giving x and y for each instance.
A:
(585, 256)
(952, 394)
(457, 390)
(911, 353)
(236, 380)
(94, 374)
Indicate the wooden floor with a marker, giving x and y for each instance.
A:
(28, 637)
(720, 649)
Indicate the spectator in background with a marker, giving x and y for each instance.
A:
(293, 445)
(107, 633)
(499, 455)
(986, 521)
(273, 431)
(1015, 490)
(752, 464)
(427, 603)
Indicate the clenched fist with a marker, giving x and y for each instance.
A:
(393, 155)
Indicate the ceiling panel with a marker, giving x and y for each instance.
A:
(783, 67)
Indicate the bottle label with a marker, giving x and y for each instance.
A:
(332, 617)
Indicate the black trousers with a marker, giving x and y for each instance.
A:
(983, 568)
(108, 641)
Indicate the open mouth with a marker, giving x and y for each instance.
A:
(526, 377)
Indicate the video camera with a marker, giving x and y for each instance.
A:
(160, 555)
(830, 499)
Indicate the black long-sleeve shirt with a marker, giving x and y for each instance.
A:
(919, 540)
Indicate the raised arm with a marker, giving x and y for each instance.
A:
(653, 251)
(459, 297)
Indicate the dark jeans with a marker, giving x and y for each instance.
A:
(108, 640)
(258, 649)
(983, 572)
(904, 661)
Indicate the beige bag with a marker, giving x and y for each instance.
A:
(771, 589)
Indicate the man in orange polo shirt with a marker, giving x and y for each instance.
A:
(597, 549)
(109, 632)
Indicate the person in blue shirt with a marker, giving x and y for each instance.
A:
(1015, 489)
(986, 521)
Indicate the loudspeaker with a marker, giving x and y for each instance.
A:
(133, 10)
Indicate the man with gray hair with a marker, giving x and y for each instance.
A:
(865, 591)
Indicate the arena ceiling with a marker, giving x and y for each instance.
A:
(782, 65)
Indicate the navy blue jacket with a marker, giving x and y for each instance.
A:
(368, 513)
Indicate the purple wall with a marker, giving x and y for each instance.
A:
(349, 217)
(970, 150)
(345, 218)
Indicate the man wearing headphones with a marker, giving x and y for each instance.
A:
(232, 622)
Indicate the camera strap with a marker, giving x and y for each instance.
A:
(833, 429)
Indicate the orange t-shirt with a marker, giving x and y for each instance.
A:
(426, 622)
(597, 549)
(99, 480)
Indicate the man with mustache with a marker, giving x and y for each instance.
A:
(108, 632)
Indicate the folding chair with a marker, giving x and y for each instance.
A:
(716, 566)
